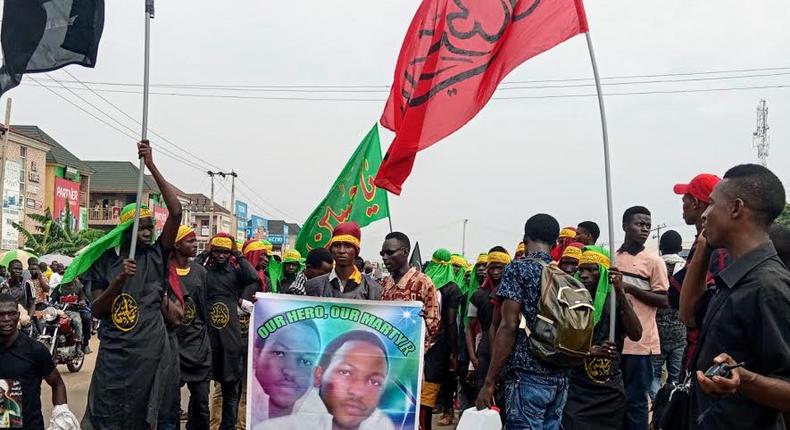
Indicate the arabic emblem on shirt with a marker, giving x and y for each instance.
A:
(124, 312)
(599, 370)
(189, 311)
(244, 319)
(219, 315)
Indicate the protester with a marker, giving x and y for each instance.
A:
(46, 270)
(645, 280)
(38, 284)
(351, 376)
(536, 391)
(441, 359)
(696, 199)
(587, 233)
(228, 273)
(345, 280)
(360, 263)
(318, 262)
(520, 251)
(292, 266)
(73, 293)
(25, 363)
(567, 236)
(57, 274)
(746, 321)
(596, 396)
(18, 289)
(406, 283)
(671, 331)
(569, 261)
(193, 341)
(136, 362)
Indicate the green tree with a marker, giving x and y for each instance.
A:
(51, 236)
(784, 218)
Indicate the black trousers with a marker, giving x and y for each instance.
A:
(198, 412)
(231, 393)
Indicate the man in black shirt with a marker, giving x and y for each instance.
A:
(481, 309)
(25, 363)
(747, 319)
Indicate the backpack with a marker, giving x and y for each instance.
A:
(564, 325)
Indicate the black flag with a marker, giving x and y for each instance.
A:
(44, 35)
(416, 259)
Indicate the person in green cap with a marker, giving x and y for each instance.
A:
(596, 396)
(441, 358)
(293, 264)
(137, 363)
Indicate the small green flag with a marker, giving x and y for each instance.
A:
(353, 197)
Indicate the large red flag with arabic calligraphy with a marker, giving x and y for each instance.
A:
(454, 55)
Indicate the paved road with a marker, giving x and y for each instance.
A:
(77, 385)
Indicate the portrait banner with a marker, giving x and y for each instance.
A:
(315, 361)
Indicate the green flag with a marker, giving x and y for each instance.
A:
(353, 197)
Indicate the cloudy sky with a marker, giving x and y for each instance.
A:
(516, 158)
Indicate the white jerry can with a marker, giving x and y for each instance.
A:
(486, 419)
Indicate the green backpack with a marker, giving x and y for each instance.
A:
(563, 329)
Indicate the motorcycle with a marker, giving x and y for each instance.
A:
(59, 336)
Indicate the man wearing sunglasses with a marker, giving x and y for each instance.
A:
(409, 284)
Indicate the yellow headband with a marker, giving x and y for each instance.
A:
(521, 247)
(572, 252)
(457, 260)
(592, 257)
(184, 231)
(567, 233)
(254, 246)
(222, 242)
(345, 238)
(129, 216)
(482, 259)
(499, 257)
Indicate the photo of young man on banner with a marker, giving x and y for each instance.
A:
(334, 363)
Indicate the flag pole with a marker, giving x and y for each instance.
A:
(149, 13)
(608, 174)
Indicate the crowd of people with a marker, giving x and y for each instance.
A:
(172, 317)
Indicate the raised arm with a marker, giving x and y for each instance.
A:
(170, 230)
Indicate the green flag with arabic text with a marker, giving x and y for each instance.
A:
(353, 197)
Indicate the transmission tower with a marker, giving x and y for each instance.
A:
(760, 138)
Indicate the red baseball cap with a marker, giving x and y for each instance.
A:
(700, 187)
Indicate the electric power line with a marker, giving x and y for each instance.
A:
(377, 100)
(342, 86)
(125, 133)
(139, 123)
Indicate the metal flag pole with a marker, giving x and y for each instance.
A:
(608, 172)
(149, 13)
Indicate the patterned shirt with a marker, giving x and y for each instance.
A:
(297, 287)
(415, 286)
(521, 283)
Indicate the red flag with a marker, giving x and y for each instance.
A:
(454, 55)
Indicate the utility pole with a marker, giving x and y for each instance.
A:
(658, 229)
(234, 224)
(211, 207)
(463, 239)
(760, 138)
(234, 175)
(2, 162)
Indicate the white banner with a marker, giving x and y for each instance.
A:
(11, 205)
